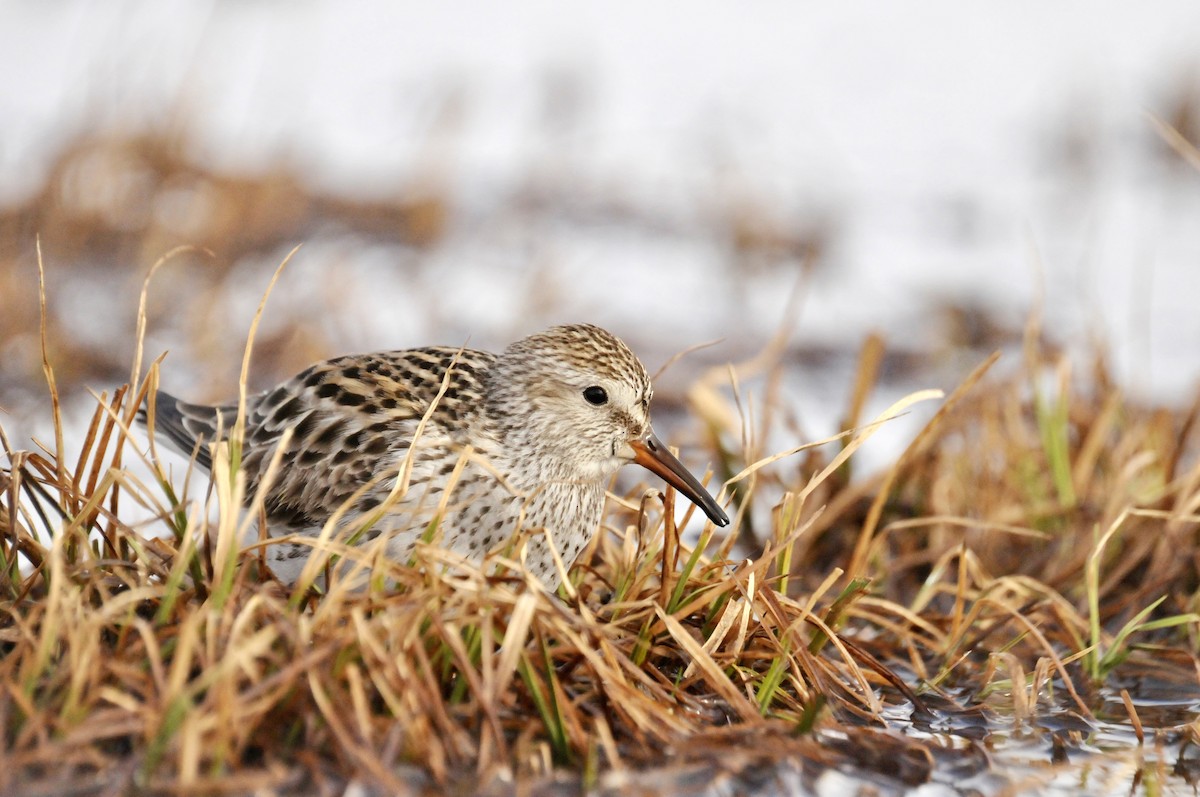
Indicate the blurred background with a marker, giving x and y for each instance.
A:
(461, 172)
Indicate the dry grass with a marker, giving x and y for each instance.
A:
(1037, 529)
(126, 647)
(1034, 545)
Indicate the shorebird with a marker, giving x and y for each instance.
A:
(453, 444)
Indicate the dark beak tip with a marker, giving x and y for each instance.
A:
(657, 458)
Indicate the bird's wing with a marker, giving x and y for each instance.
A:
(351, 420)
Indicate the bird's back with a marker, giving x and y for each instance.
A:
(352, 421)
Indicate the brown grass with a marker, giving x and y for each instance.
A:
(1036, 538)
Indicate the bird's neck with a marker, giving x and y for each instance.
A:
(530, 462)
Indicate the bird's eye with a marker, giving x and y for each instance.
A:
(595, 395)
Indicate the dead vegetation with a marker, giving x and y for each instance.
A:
(1030, 556)
(1035, 540)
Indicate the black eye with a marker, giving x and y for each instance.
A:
(595, 395)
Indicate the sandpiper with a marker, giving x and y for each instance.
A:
(463, 445)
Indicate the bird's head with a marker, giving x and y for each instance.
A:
(579, 397)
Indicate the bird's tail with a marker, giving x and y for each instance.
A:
(188, 428)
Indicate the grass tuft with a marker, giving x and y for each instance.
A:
(160, 655)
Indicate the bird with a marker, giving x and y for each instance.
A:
(452, 444)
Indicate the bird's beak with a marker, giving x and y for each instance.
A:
(651, 454)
